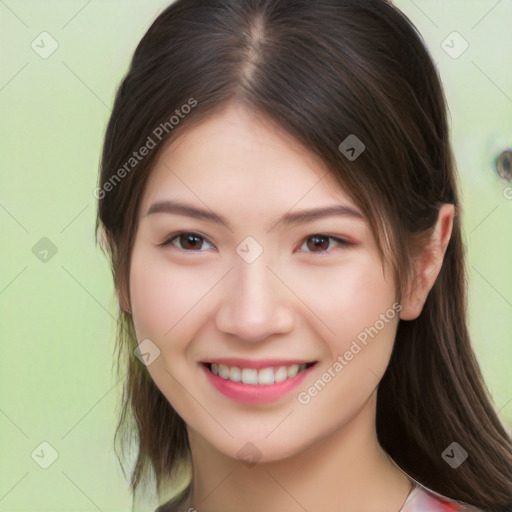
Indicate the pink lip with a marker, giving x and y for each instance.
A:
(263, 363)
(254, 395)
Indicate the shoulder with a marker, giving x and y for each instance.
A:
(422, 499)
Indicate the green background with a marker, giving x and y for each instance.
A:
(57, 316)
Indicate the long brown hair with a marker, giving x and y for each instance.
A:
(322, 70)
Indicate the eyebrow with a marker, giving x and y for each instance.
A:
(288, 219)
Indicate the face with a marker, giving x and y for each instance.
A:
(254, 292)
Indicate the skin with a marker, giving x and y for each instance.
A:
(197, 302)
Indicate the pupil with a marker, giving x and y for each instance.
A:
(191, 238)
(317, 242)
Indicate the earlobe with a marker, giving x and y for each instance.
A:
(428, 265)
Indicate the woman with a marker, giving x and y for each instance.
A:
(278, 197)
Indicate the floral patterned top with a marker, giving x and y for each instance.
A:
(422, 499)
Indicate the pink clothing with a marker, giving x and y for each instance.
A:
(421, 499)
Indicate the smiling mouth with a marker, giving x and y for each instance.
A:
(257, 376)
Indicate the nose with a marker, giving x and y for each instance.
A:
(255, 303)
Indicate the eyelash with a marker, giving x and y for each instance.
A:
(176, 236)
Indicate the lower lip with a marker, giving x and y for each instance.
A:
(250, 394)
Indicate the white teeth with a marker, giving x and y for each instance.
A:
(266, 376)
(224, 371)
(234, 374)
(293, 370)
(281, 374)
(252, 376)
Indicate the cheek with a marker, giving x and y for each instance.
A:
(167, 299)
(158, 296)
(348, 299)
(358, 306)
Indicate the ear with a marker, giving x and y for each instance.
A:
(428, 265)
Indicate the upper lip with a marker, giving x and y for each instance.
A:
(261, 363)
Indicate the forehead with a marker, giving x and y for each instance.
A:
(240, 161)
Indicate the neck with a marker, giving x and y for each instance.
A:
(346, 471)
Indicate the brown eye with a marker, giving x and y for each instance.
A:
(188, 242)
(318, 242)
(321, 243)
(191, 242)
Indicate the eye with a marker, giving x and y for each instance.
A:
(322, 242)
(192, 242)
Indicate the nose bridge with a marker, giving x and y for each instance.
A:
(255, 304)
